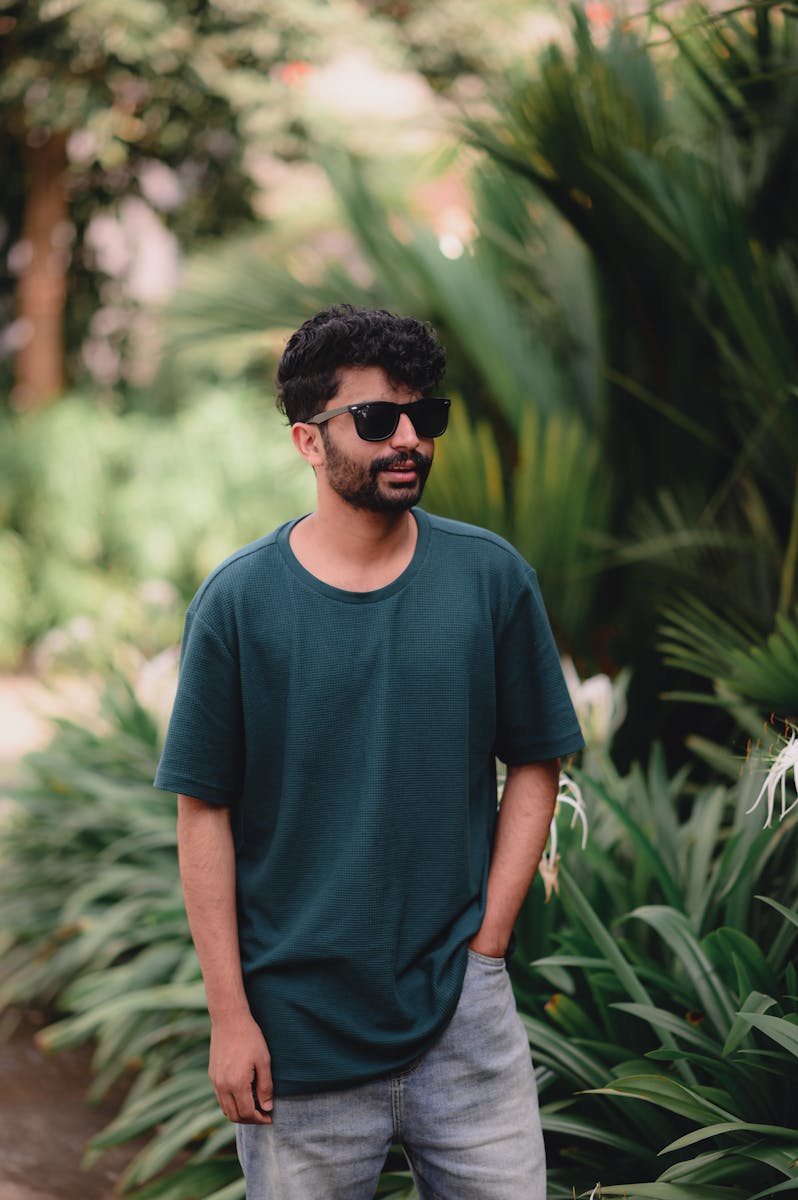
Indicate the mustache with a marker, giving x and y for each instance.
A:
(390, 462)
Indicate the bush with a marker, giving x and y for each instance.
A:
(94, 503)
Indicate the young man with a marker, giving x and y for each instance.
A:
(346, 683)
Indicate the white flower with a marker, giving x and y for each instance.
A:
(600, 704)
(785, 761)
(569, 794)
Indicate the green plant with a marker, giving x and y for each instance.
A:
(95, 505)
(674, 163)
(93, 924)
(741, 666)
(674, 939)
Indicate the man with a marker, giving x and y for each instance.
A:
(346, 683)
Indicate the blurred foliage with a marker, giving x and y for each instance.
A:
(555, 497)
(180, 104)
(93, 505)
(459, 44)
(677, 168)
(676, 935)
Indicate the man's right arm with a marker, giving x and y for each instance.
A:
(239, 1055)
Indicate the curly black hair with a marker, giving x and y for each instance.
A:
(346, 336)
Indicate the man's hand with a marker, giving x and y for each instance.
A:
(240, 1070)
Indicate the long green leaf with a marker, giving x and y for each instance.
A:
(755, 1003)
(660, 1019)
(675, 929)
(668, 1094)
(176, 1135)
(74, 1030)
(673, 1191)
(724, 1127)
(642, 843)
(780, 1030)
(572, 1125)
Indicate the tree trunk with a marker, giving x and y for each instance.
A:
(41, 293)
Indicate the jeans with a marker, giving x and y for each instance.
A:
(465, 1113)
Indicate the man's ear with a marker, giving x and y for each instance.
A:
(308, 441)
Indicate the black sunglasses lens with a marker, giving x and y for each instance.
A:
(377, 421)
(430, 417)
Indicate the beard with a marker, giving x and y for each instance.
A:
(361, 486)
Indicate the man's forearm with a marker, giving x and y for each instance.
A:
(523, 827)
(207, 871)
(240, 1064)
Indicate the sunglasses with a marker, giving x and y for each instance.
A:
(376, 420)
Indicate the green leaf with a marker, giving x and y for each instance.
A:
(194, 1180)
(573, 1125)
(666, 1093)
(724, 1127)
(660, 1019)
(642, 843)
(673, 1191)
(563, 1054)
(675, 929)
(182, 1093)
(755, 1003)
(780, 1030)
(76, 1029)
(752, 969)
(176, 1135)
(236, 1190)
(604, 941)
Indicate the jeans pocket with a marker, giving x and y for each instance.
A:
(487, 960)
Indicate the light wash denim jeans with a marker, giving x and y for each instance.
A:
(465, 1113)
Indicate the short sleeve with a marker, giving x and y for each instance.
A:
(203, 750)
(535, 717)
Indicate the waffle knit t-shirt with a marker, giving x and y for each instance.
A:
(353, 737)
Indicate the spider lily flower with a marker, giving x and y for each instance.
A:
(785, 761)
(570, 795)
(600, 704)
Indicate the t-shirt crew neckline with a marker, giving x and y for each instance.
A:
(341, 594)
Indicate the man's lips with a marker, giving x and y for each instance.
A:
(407, 471)
(401, 469)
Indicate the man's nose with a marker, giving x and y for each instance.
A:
(405, 433)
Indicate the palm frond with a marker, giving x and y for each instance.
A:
(762, 670)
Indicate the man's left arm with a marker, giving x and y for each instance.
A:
(528, 800)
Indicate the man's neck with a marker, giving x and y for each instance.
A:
(355, 549)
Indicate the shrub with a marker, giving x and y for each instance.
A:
(95, 503)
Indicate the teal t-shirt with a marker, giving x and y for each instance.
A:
(353, 736)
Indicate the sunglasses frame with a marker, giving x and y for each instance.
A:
(354, 409)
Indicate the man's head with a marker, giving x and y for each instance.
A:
(405, 348)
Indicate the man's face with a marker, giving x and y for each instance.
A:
(385, 477)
